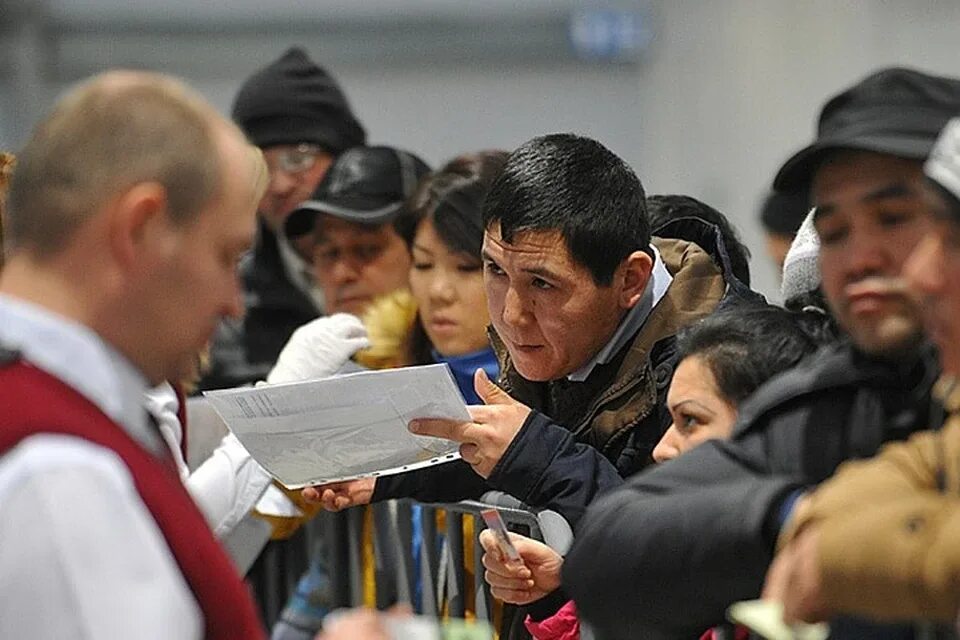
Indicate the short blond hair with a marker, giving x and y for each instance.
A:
(7, 161)
(109, 133)
(261, 174)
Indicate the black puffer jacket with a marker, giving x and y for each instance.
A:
(697, 533)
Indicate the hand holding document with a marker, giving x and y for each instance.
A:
(344, 427)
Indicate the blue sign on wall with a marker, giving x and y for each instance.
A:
(609, 34)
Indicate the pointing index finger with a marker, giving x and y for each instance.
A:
(450, 429)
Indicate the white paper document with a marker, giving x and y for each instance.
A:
(344, 427)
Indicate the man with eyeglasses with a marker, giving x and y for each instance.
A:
(298, 115)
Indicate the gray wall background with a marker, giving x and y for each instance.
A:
(722, 92)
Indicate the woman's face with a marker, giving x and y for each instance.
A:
(699, 411)
(448, 288)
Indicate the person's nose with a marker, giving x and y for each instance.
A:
(865, 255)
(514, 313)
(669, 446)
(281, 183)
(342, 271)
(442, 289)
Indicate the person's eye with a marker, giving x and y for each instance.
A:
(468, 268)
(832, 236)
(688, 423)
(368, 251)
(422, 266)
(327, 256)
(894, 218)
(296, 161)
(540, 283)
(493, 268)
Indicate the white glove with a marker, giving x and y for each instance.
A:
(319, 349)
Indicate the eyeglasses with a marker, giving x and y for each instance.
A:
(292, 160)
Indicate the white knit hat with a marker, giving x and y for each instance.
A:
(801, 271)
(943, 165)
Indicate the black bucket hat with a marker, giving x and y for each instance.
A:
(366, 185)
(894, 111)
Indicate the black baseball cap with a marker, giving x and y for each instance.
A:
(366, 185)
(895, 111)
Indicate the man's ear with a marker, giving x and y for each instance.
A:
(136, 218)
(632, 277)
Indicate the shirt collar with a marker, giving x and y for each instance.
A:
(81, 359)
(656, 288)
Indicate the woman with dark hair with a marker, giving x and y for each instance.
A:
(722, 360)
(444, 317)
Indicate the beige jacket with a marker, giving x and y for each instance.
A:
(889, 527)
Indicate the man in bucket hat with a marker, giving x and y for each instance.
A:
(877, 540)
(693, 536)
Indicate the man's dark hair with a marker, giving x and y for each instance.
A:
(574, 185)
(746, 346)
(666, 208)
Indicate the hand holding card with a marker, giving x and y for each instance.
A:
(495, 523)
(519, 569)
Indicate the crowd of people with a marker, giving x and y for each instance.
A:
(704, 445)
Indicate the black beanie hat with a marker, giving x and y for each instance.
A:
(784, 211)
(292, 100)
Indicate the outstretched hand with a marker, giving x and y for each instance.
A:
(337, 496)
(492, 428)
(536, 574)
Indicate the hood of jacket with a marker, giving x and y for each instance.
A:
(389, 321)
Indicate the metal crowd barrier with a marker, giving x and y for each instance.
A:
(441, 570)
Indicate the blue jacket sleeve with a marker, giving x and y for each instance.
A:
(545, 467)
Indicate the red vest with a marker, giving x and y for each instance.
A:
(32, 401)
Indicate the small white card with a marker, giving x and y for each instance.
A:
(344, 427)
(766, 619)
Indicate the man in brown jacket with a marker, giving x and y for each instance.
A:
(879, 539)
(584, 307)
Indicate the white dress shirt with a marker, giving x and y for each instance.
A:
(80, 553)
(228, 483)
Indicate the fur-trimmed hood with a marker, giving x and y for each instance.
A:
(389, 321)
